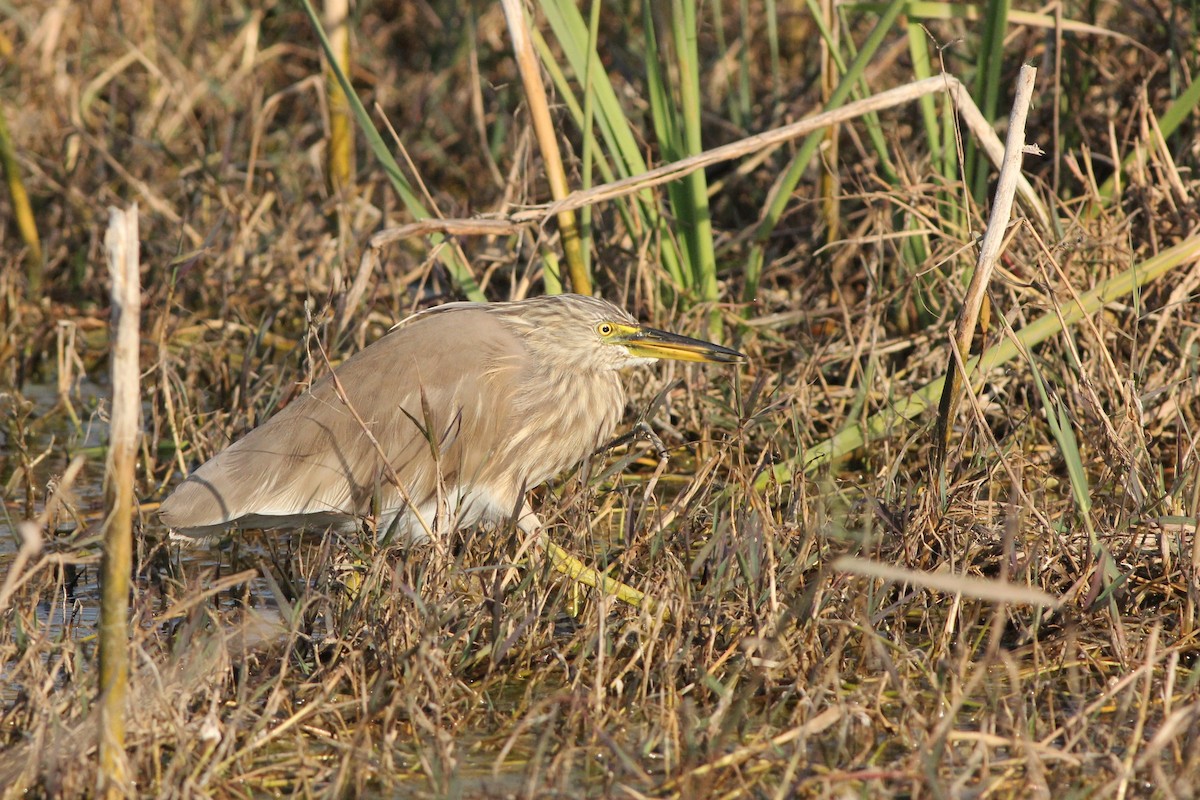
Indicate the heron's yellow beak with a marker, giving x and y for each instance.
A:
(653, 343)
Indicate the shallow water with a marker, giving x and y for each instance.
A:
(51, 441)
(71, 612)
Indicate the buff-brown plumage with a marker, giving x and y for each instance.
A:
(471, 403)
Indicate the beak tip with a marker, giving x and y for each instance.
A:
(662, 344)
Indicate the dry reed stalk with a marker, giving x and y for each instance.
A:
(121, 245)
(992, 591)
(340, 158)
(547, 136)
(989, 254)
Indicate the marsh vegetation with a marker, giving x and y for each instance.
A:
(769, 664)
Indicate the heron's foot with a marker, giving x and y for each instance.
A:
(641, 430)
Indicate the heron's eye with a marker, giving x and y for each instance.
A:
(605, 329)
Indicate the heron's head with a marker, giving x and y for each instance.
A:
(592, 333)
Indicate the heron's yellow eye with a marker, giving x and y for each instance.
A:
(605, 329)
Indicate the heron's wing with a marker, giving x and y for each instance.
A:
(436, 395)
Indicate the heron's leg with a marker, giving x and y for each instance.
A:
(562, 561)
(531, 525)
(532, 531)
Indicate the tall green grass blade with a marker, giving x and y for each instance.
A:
(374, 139)
(664, 115)
(567, 95)
(950, 147)
(745, 95)
(918, 49)
(913, 249)
(572, 34)
(733, 109)
(872, 125)
(987, 91)
(694, 215)
(634, 220)
(826, 35)
(678, 129)
(773, 48)
(916, 248)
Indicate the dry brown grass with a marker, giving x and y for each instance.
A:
(329, 666)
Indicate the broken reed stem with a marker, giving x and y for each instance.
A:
(987, 589)
(547, 137)
(121, 245)
(989, 253)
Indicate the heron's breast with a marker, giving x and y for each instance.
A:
(561, 424)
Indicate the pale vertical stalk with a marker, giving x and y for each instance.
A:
(340, 157)
(989, 254)
(543, 128)
(121, 245)
(745, 93)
